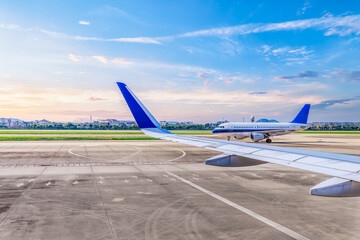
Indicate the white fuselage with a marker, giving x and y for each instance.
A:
(249, 129)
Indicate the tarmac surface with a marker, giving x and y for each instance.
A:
(162, 190)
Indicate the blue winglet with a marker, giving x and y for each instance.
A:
(302, 116)
(143, 117)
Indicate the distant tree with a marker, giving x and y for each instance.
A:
(69, 125)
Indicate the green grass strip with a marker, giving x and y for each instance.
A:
(72, 138)
(330, 132)
(71, 132)
(95, 132)
(190, 133)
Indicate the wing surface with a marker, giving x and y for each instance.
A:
(345, 169)
(338, 165)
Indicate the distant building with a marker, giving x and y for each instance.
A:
(3, 121)
(172, 123)
(321, 124)
(220, 122)
(113, 122)
(11, 122)
(267, 120)
(128, 123)
(187, 123)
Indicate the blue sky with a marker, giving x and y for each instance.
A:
(187, 60)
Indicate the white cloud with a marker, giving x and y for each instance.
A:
(304, 8)
(104, 59)
(84, 22)
(9, 26)
(342, 25)
(290, 55)
(136, 40)
(100, 58)
(146, 40)
(74, 57)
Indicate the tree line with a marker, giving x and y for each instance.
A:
(87, 126)
(335, 128)
(207, 126)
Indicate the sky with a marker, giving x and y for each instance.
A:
(187, 60)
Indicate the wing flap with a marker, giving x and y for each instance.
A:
(335, 164)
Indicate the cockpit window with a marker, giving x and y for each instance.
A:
(221, 127)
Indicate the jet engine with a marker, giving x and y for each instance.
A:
(257, 136)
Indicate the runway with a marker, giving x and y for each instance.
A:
(162, 190)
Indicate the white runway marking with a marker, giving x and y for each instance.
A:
(255, 215)
(183, 155)
(123, 159)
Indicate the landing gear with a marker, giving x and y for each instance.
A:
(229, 138)
(268, 140)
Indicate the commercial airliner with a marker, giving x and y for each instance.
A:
(344, 169)
(260, 131)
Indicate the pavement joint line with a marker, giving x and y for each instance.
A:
(60, 148)
(247, 211)
(34, 148)
(102, 202)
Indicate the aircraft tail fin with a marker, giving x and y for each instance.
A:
(302, 116)
(143, 117)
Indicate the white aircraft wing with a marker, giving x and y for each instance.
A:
(345, 169)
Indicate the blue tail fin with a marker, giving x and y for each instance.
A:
(143, 117)
(302, 116)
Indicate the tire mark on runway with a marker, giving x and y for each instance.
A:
(22, 195)
(194, 225)
(191, 225)
(153, 220)
(151, 231)
(96, 187)
(247, 211)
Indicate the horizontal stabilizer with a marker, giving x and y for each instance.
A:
(226, 160)
(336, 187)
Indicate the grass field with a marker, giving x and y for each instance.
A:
(63, 135)
(6, 135)
(71, 138)
(94, 132)
(97, 132)
(192, 132)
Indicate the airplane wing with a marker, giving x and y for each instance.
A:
(345, 169)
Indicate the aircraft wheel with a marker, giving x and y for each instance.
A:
(268, 140)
